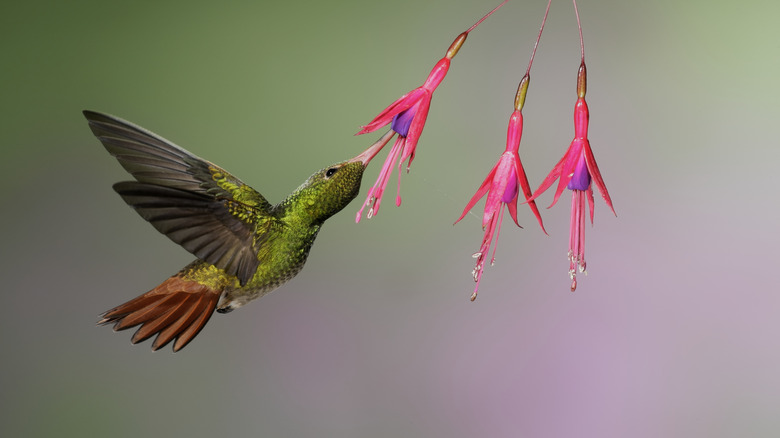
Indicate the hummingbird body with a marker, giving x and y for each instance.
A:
(245, 247)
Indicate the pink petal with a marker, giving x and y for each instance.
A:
(386, 116)
(510, 191)
(549, 180)
(512, 207)
(598, 181)
(504, 172)
(567, 169)
(480, 193)
(415, 130)
(521, 177)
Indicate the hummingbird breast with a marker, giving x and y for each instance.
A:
(282, 258)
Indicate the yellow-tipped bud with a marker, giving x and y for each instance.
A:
(522, 89)
(582, 81)
(455, 46)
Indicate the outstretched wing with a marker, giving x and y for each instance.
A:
(198, 205)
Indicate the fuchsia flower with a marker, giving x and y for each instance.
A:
(407, 117)
(501, 186)
(507, 176)
(575, 171)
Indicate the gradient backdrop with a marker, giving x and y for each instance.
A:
(673, 334)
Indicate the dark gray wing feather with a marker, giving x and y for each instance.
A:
(195, 203)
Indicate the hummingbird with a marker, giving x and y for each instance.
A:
(245, 246)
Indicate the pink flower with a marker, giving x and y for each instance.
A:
(407, 117)
(501, 186)
(575, 171)
(505, 178)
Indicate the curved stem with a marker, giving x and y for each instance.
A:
(579, 26)
(538, 37)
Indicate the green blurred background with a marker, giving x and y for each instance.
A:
(673, 334)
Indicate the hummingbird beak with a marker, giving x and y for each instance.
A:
(374, 149)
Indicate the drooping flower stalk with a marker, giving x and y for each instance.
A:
(407, 117)
(504, 181)
(576, 171)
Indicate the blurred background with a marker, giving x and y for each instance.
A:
(673, 333)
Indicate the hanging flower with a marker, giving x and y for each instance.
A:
(507, 176)
(407, 117)
(576, 171)
(501, 187)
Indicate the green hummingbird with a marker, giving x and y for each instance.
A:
(245, 247)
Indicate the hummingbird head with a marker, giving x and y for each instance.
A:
(331, 189)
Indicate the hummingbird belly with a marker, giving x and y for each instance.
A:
(271, 273)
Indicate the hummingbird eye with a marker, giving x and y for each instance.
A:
(330, 172)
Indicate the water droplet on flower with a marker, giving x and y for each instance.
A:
(474, 296)
(574, 284)
(476, 255)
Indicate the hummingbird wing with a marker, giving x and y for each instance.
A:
(198, 205)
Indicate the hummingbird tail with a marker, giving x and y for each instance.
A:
(176, 309)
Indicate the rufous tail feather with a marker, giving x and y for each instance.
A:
(176, 309)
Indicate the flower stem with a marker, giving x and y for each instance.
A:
(460, 39)
(522, 88)
(486, 15)
(579, 26)
(581, 74)
(538, 37)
